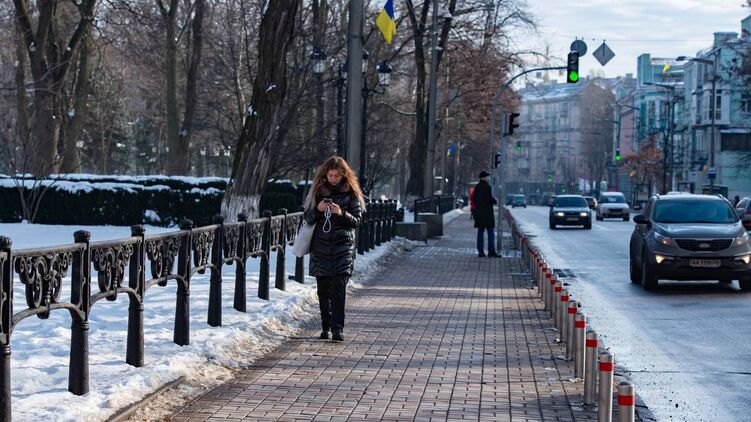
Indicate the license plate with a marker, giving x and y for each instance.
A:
(572, 219)
(705, 263)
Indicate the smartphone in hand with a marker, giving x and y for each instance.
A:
(327, 201)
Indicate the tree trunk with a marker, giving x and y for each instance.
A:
(22, 107)
(250, 167)
(71, 159)
(191, 96)
(169, 17)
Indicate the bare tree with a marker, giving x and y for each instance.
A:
(250, 168)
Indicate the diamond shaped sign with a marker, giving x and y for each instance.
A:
(603, 54)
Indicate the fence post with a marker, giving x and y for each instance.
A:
(263, 277)
(134, 350)
(361, 233)
(605, 403)
(6, 320)
(372, 221)
(214, 318)
(590, 367)
(280, 276)
(78, 371)
(300, 262)
(182, 305)
(242, 255)
(378, 222)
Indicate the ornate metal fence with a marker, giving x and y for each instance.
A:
(150, 261)
(439, 204)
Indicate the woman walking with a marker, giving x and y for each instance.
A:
(334, 203)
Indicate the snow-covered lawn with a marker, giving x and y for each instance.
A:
(40, 348)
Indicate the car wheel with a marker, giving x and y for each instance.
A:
(634, 272)
(648, 279)
(588, 225)
(745, 284)
(552, 226)
(625, 217)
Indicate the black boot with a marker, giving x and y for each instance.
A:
(324, 334)
(336, 335)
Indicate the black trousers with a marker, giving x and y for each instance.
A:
(332, 292)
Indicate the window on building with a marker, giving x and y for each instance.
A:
(746, 102)
(718, 105)
(736, 142)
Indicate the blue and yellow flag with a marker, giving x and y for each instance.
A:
(385, 21)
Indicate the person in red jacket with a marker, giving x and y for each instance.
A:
(472, 203)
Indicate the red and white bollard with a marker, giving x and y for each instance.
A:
(580, 324)
(563, 314)
(590, 367)
(553, 281)
(555, 303)
(626, 402)
(572, 307)
(605, 400)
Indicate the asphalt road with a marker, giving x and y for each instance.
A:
(686, 346)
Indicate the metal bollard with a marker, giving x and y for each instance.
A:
(626, 402)
(557, 304)
(590, 367)
(554, 299)
(605, 400)
(563, 315)
(571, 307)
(580, 324)
(546, 282)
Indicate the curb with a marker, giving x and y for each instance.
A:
(124, 413)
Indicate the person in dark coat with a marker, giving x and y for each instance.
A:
(334, 203)
(484, 218)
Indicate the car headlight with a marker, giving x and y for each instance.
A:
(745, 258)
(741, 240)
(664, 240)
(559, 214)
(583, 214)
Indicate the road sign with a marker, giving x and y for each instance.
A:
(603, 54)
(712, 174)
(580, 47)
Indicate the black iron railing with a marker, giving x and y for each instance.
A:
(150, 261)
(439, 204)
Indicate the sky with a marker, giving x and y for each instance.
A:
(663, 28)
(40, 348)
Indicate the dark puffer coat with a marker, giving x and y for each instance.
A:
(484, 201)
(333, 253)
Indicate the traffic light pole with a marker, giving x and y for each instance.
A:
(499, 178)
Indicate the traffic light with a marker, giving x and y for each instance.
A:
(497, 161)
(617, 154)
(563, 189)
(518, 146)
(511, 124)
(572, 68)
(550, 178)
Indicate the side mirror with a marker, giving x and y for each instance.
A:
(640, 219)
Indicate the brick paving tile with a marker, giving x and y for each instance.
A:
(439, 335)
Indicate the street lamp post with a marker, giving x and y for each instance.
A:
(712, 105)
(384, 78)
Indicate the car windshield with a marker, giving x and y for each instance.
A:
(571, 201)
(687, 211)
(613, 199)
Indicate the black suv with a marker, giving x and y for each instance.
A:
(689, 237)
(570, 210)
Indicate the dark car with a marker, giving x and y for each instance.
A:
(591, 202)
(570, 210)
(744, 212)
(518, 200)
(509, 199)
(689, 237)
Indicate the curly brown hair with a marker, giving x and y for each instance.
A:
(335, 162)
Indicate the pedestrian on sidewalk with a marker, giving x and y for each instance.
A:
(484, 218)
(334, 203)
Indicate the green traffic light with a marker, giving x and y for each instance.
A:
(573, 76)
(518, 148)
(550, 179)
(618, 157)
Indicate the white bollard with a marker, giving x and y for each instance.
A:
(590, 367)
(605, 400)
(556, 304)
(626, 402)
(554, 298)
(580, 324)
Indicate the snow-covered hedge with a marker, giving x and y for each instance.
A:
(126, 200)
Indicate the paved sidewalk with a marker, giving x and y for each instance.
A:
(439, 335)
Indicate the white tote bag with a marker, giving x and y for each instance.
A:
(304, 236)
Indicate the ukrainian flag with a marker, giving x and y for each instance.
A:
(385, 21)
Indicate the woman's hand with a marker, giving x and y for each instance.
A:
(335, 209)
(321, 206)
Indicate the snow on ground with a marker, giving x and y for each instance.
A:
(41, 348)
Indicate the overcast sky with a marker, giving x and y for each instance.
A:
(663, 28)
